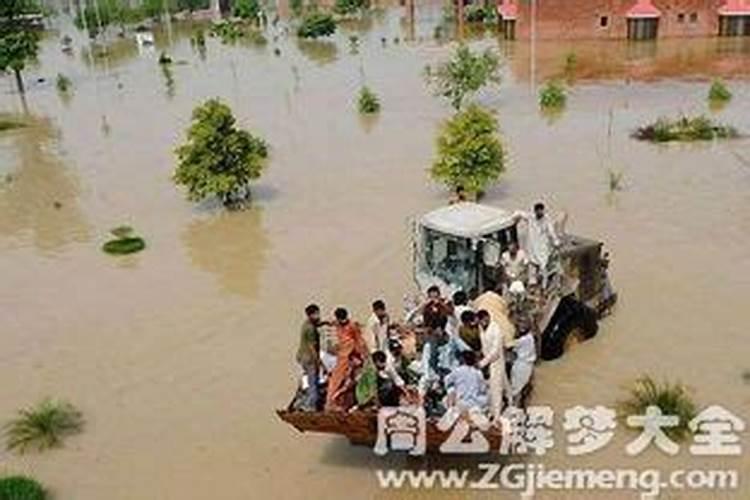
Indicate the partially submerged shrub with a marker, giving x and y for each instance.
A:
(350, 6)
(21, 488)
(671, 399)
(317, 24)
(227, 31)
(63, 83)
(247, 9)
(479, 13)
(719, 93)
(125, 242)
(699, 128)
(368, 102)
(552, 95)
(43, 426)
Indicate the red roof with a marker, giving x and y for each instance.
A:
(508, 9)
(735, 7)
(644, 8)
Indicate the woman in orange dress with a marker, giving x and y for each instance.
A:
(350, 357)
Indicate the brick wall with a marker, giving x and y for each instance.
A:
(607, 18)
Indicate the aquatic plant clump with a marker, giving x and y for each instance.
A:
(719, 93)
(368, 102)
(21, 488)
(671, 399)
(316, 25)
(552, 96)
(125, 242)
(43, 426)
(699, 128)
(470, 153)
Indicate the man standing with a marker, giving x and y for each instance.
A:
(308, 356)
(493, 351)
(376, 331)
(515, 264)
(541, 239)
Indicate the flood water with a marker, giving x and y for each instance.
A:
(179, 355)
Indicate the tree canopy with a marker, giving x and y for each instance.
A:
(19, 41)
(464, 74)
(470, 153)
(218, 158)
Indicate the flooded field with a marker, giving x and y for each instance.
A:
(179, 355)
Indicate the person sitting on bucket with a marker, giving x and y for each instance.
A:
(465, 385)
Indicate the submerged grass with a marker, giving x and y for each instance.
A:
(43, 426)
(698, 128)
(671, 399)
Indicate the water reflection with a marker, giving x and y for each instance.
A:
(233, 246)
(39, 201)
(642, 61)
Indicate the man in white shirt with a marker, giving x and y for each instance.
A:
(523, 365)
(376, 330)
(515, 264)
(493, 352)
(541, 238)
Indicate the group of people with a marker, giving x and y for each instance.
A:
(448, 353)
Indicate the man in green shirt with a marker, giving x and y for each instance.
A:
(308, 356)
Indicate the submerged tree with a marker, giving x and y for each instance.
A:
(470, 153)
(19, 41)
(464, 74)
(219, 159)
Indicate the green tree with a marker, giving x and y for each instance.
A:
(19, 41)
(464, 74)
(470, 153)
(219, 159)
(247, 9)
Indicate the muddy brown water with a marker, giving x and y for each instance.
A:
(178, 356)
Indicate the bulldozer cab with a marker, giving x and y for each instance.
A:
(458, 247)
